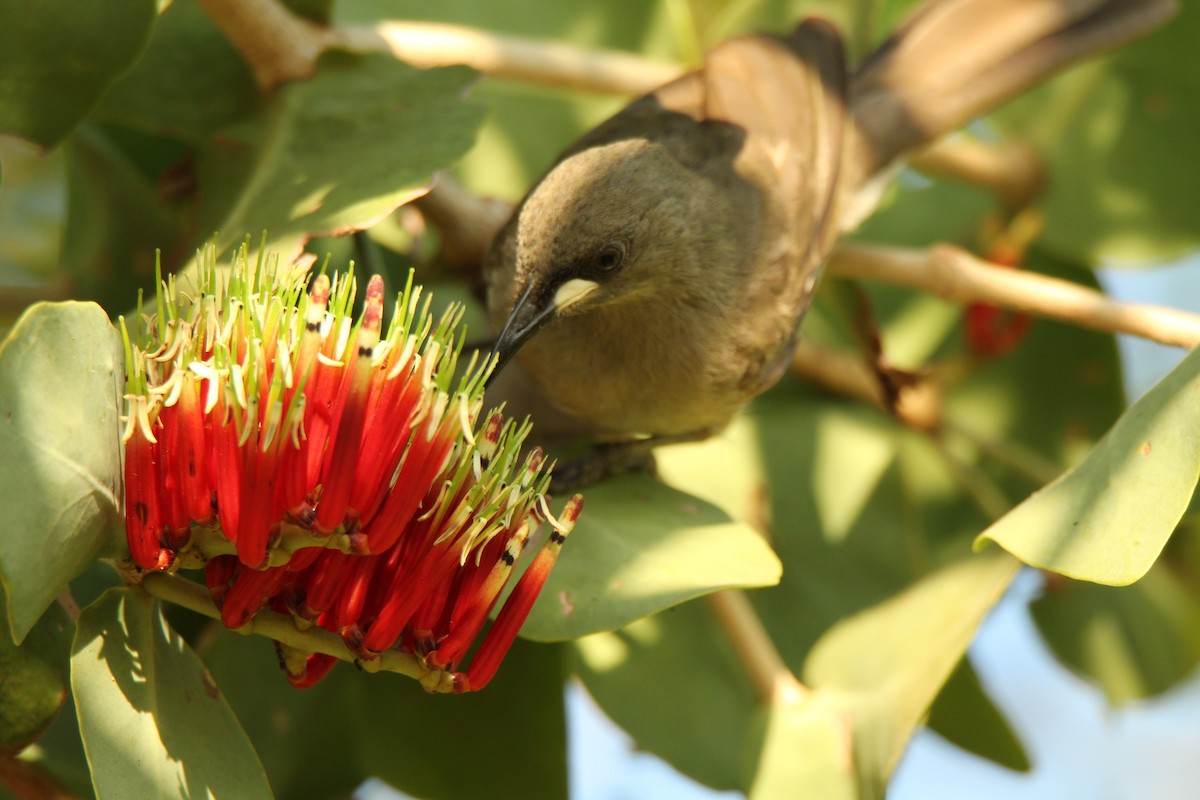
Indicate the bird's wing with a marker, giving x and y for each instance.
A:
(790, 96)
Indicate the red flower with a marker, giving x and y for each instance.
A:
(329, 470)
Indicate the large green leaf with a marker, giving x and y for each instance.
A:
(638, 548)
(57, 57)
(805, 751)
(1134, 641)
(966, 716)
(58, 752)
(154, 722)
(60, 380)
(323, 741)
(336, 153)
(529, 125)
(672, 682)
(115, 222)
(189, 83)
(887, 664)
(512, 733)
(859, 508)
(1107, 519)
(35, 680)
(1116, 136)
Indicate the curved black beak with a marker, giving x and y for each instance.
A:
(526, 319)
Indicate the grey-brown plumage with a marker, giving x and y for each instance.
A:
(654, 279)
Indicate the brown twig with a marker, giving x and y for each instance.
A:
(773, 682)
(1010, 169)
(466, 224)
(428, 44)
(29, 780)
(917, 403)
(957, 276)
(278, 45)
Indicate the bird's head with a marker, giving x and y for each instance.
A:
(604, 227)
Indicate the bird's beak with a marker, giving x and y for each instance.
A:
(527, 318)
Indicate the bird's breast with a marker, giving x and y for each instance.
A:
(637, 373)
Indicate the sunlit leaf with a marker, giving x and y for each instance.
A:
(641, 547)
(154, 722)
(1107, 519)
(60, 375)
(806, 751)
(43, 95)
(887, 664)
(336, 153)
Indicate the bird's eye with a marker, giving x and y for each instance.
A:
(610, 257)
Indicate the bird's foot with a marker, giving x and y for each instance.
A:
(607, 459)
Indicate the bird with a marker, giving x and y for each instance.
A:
(653, 280)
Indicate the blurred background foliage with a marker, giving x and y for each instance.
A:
(137, 127)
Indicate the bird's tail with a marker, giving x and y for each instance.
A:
(953, 60)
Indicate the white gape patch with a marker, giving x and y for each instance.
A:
(572, 292)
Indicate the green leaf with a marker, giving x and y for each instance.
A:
(281, 720)
(336, 153)
(529, 125)
(505, 742)
(61, 371)
(58, 752)
(857, 509)
(806, 751)
(57, 57)
(1133, 641)
(316, 10)
(640, 547)
(874, 674)
(1107, 519)
(324, 741)
(154, 723)
(681, 661)
(1115, 135)
(188, 84)
(115, 222)
(965, 716)
(34, 686)
(887, 664)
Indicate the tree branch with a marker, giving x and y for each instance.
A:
(428, 44)
(1012, 170)
(917, 404)
(955, 275)
(773, 682)
(29, 780)
(278, 45)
